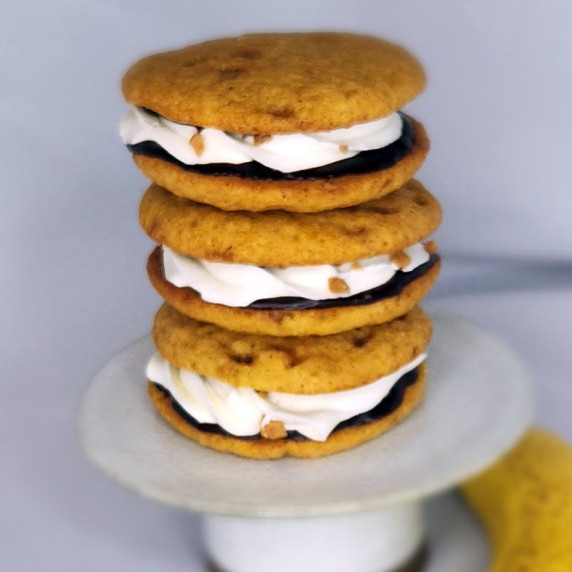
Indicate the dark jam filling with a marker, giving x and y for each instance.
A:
(385, 407)
(388, 290)
(364, 162)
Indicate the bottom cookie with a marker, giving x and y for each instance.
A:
(260, 448)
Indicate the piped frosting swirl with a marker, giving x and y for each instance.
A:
(239, 285)
(242, 411)
(288, 153)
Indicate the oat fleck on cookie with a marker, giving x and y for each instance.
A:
(431, 247)
(338, 286)
(260, 139)
(400, 259)
(197, 143)
(274, 430)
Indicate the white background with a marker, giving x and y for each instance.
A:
(73, 281)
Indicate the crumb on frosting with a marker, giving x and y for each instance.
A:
(274, 430)
(431, 247)
(400, 259)
(197, 143)
(338, 286)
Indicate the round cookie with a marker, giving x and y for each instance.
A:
(282, 239)
(277, 83)
(309, 365)
(261, 448)
(233, 193)
(281, 322)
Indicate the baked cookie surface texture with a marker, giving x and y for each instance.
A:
(293, 245)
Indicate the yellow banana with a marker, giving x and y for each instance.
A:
(525, 502)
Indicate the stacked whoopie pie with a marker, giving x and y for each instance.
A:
(294, 245)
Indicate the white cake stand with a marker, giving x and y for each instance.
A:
(360, 510)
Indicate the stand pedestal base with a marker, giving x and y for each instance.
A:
(378, 541)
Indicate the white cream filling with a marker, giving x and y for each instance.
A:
(243, 411)
(238, 285)
(285, 153)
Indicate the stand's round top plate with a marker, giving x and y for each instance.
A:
(478, 402)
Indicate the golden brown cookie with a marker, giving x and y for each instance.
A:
(308, 365)
(281, 239)
(283, 322)
(261, 448)
(305, 195)
(277, 83)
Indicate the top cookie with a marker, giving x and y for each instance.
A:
(277, 83)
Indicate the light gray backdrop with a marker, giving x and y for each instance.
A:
(73, 284)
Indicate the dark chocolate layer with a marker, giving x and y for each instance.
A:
(364, 162)
(385, 407)
(388, 290)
